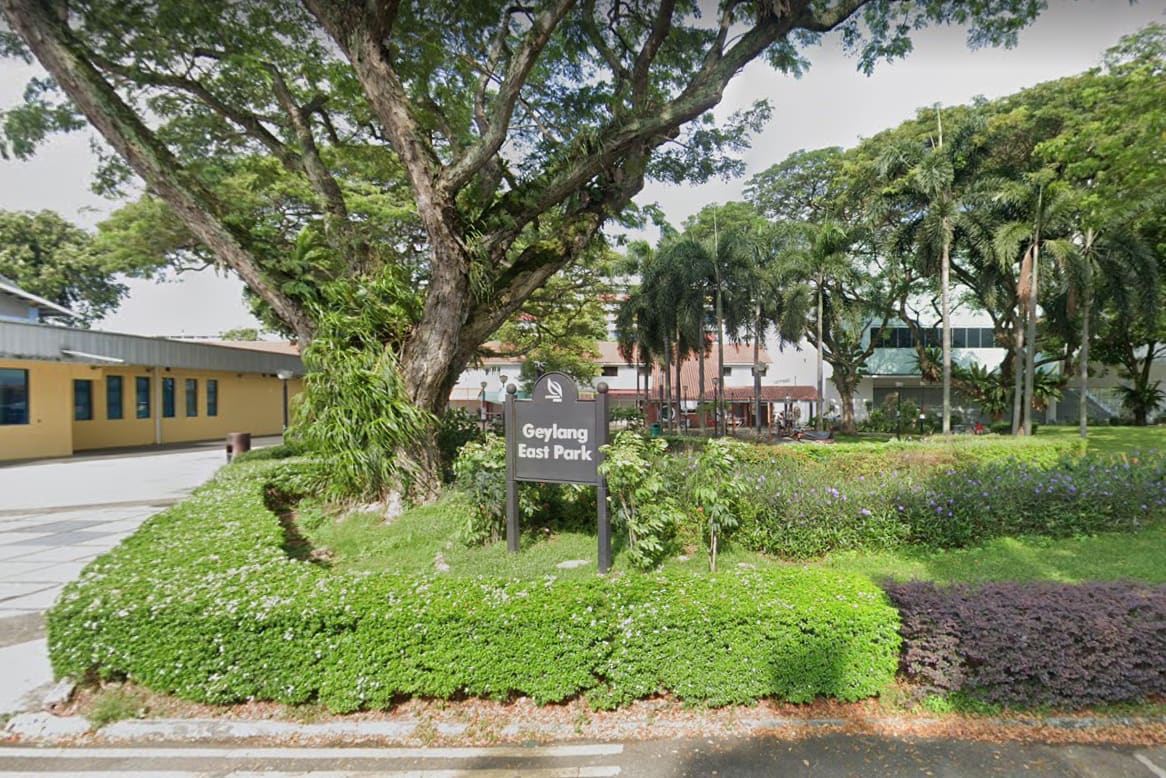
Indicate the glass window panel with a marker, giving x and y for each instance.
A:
(82, 400)
(13, 396)
(113, 397)
(212, 397)
(142, 396)
(192, 397)
(168, 397)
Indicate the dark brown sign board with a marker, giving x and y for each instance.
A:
(554, 437)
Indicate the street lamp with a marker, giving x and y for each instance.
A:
(284, 376)
(898, 410)
(759, 369)
(482, 407)
(716, 408)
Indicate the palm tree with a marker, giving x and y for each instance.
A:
(1112, 259)
(936, 177)
(1042, 205)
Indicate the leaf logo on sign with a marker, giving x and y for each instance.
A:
(554, 391)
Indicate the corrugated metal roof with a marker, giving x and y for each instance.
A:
(28, 340)
(8, 287)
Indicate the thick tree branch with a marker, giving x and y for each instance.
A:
(661, 25)
(248, 122)
(591, 27)
(66, 60)
(541, 29)
(314, 168)
(359, 38)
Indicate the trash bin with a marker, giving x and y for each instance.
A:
(237, 443)
(655, 429)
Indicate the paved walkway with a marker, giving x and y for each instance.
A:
(56, 517)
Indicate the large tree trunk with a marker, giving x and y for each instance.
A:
(1030, 350)
(1083, 402)
(846, 382)
(945, 283)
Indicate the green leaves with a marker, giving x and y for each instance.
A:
(49, 257)
(202, 602)
(640, 496)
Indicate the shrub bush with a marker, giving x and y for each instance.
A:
(201, 602)
(1035, 643)
(800, 509)
(480, 473)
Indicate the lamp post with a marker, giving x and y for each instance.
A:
(716, 408)
(482, 407)
(787, 416)
(898, 410)
(284, 376)
(759, 370)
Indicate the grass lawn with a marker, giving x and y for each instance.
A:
(1113, 440)
(425, 540)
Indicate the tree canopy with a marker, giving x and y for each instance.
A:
(514, 132)
(44, 254)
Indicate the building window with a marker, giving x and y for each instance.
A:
(959, 337)
(727, 372)
(610, 371)
(82, 400)
(168, 398)
(192, 397)
(212, 397)
(13, 396)
(113, 397)
(142, 396)
(987, 337)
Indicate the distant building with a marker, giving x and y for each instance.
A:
(482, 389)
(64, 390)
(18, 305)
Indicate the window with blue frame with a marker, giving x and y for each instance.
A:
(13, 396)
(192, 397)
(168, 398)
(142, 396)
(113, 397)
(212, 397)
(82, 400)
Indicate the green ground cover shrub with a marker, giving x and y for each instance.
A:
(202, 602)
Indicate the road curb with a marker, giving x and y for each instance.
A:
(45, 728)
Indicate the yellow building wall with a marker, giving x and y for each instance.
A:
(50, 411)
(247, 402)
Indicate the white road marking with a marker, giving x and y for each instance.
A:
(535, 752)
(602, 771)
(1155, 769)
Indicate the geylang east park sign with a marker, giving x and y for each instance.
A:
(554, 437)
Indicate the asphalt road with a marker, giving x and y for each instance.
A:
(758, 757)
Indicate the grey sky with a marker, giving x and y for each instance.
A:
(832, 105)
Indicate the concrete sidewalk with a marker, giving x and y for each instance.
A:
(56, 517)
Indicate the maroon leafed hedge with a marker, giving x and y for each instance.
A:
(1033, 644)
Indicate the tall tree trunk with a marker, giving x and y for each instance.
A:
(679, 388)
(945, 284)
(756, 368)
(701, 409)
(1018, 375)
(1083, 368)
(666, 397)
(847, 385)
(722, 424)
(1030, 337)
(820, 388)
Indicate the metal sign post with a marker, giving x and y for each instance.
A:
(555, 438)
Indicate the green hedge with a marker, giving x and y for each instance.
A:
(203, 603)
